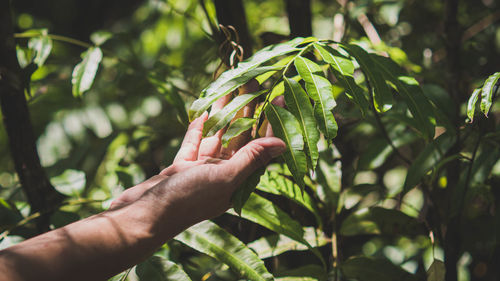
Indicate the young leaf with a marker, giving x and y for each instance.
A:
(382, 96)
(214, 241)
(211, 95)
(299, 105)
(263, 212)
(409, 89)
(160, 269)
(487, 92)
(320, 90)
(220, 119)
(84, 72)
(471, 105)
(430, 156)
(236, 128)
(372, 269)
(343, 69)
(287, 128)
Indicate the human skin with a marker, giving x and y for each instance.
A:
(196, 187)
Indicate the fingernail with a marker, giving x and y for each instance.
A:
(277, 150)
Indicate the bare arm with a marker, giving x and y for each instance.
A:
(196, 187)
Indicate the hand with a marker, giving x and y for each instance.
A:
(207, 172)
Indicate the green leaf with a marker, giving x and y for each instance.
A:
(236, 128)
(410, 91)
(84, 72)
(427, 159)
(275, 183)
(263, 212)
(299, 105)
(220, 119)
(287, 128)
(160, 269)
(343, 69)
(320, 90)
(241, 194)
(172, 97)
(471, 105)
(212, 95)
(9, 215)
(100, 37)
(436, 271)
(379, 150)
(372, 269)
(214, 241)
(338, 61)
(276, 244)
(71, 182)
(378, 220)
(42, 45)
(382, 97)
(487, 92)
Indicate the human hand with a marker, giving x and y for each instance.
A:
(203, 164)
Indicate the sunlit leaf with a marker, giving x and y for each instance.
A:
(409, 89)
(487, 92)
(287, 128)
(372, 269)
(299, 105)
(382, 97)
(84, 72)
(71, 182)
(236, 128)
(42, 45)
(320, 90)
(220, 119)
(427, 159)
(203, 103)
(263, 212)
(275, 183)
(343, 69)
(471, 105)
(160, 269)
(214, 241)
(100, 37)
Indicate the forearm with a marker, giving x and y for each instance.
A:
(92, 249)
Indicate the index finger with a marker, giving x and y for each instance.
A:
(191, 143)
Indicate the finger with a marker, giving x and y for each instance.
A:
(210, 147)
(192, 139)
(236, 143)
(255, 154)
(179, 167)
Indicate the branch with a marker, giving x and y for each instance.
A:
(40, 193)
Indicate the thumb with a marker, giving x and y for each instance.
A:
(253, 155)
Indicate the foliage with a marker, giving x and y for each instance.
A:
(381, 168)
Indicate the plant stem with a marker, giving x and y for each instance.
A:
(56, 38)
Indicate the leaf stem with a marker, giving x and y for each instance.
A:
(56, 38)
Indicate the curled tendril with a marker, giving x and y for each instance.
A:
(230, 48)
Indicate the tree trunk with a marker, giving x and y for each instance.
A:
(299, 17)
(40, 193)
